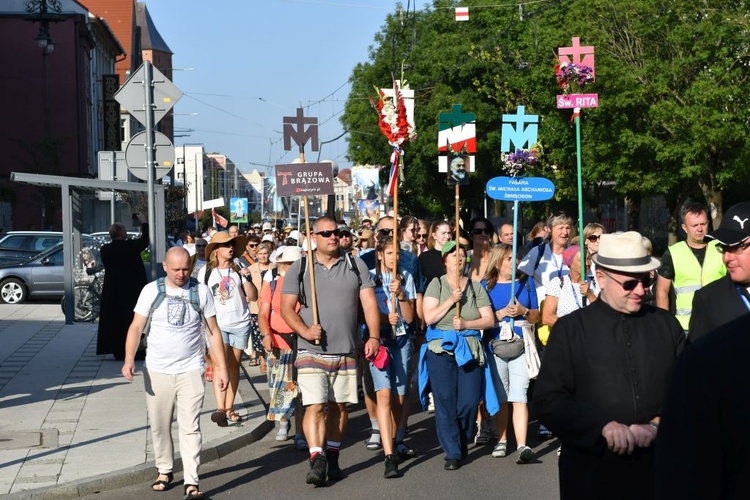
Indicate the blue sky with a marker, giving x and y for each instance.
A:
(256, 61)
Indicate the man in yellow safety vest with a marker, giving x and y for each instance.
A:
(688, 265)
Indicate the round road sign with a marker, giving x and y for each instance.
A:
(135, 155)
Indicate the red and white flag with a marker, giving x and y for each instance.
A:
(462, 13)
(218, 219)
(396, 174)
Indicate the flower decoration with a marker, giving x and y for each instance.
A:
(573, 77)
(516, 164)
(392, 117)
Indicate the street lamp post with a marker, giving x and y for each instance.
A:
(40, 10)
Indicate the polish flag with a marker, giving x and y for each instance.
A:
(218, 219)
(462, 13)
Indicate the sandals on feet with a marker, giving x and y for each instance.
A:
(374, 442)
(233, 416)
(193, 493)
(161, 484)
(220, 418)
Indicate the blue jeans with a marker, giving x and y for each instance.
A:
(395, 375)
(456, 391)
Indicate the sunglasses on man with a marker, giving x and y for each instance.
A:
(328, 234)
(736, 248)
(630, 285)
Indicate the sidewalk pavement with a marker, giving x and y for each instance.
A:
(71, 425)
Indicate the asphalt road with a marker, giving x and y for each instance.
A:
(269, 469)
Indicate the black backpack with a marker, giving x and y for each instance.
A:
(303, 268)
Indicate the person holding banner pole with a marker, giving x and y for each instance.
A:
(515, 303)
(452, 361)
(327, 341)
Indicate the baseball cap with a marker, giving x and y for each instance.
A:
(448, 248)
(267, 226)
(735, 225)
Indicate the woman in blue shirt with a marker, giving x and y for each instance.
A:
(510, 374)
(390, 382)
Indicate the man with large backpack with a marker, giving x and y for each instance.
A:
(326, 352)
(173, 370)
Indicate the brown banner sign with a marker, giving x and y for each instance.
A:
(299, 179)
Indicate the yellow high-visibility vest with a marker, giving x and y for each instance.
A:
(689, 276)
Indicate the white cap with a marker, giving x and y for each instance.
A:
(267, 226)
(268, 237)
(295, 235)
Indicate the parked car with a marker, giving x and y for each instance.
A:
(17, 246)
(103, 236)
(39, 276)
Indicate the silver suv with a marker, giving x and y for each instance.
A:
(18, 246)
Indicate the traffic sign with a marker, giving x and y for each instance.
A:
(136, 155)
(132, 96)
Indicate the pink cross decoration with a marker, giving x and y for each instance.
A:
(580, 55)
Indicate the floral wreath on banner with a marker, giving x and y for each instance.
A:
(516, 164)
(572, 78)
(393, 122)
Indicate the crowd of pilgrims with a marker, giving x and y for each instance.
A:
(504, 318)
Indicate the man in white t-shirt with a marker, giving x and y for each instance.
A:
(173, 370)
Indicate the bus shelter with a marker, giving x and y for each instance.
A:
(71, 189)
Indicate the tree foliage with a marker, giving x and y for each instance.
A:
(672, 79)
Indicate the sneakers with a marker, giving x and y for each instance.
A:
(484, 434)
(543, 433)
(374, 442)
(404, 451)
(300, 442)
(452, 465)
(317, 473)
(524, 455)
(430, 403)
(283, 432)
(501, 448)
(391, 467)
(334, 471)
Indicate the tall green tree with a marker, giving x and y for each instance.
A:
(672, 79)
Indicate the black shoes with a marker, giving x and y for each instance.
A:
(334, 471)
(452, 465)
(391, 466)
(317, 473)
(404, 452)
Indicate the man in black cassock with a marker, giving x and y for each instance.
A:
(604, 378)
(124, 278)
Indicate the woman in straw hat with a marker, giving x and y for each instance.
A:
(232, 289)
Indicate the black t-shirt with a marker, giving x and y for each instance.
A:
(666, 269)
(431, 263)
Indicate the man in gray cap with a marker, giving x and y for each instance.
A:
(605, 376)
(727, 298)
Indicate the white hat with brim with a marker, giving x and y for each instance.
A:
(238, 243)
(289, 254)
(624, 253)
